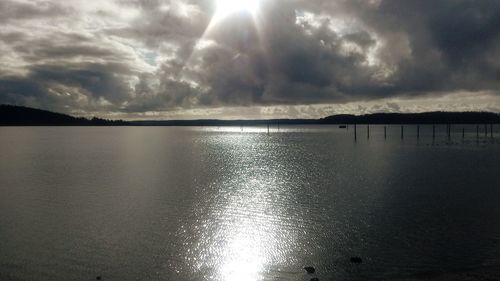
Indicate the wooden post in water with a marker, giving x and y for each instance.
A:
(355, 133)
(477, 131)
(491, 130)
(368, 131)
(433, 131)
(463, 133)
(402, 131)
(418, 131)
(385, 132)
(485, 130)
(268, 129)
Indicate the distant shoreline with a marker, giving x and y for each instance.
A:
(24, 116)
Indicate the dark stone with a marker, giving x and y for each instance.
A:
(98, 278)
(314, 279)
(356, 260)
(310, 269)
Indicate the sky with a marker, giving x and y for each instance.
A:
(250, 59)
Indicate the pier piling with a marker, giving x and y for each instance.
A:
(385, 132)
(355, 133)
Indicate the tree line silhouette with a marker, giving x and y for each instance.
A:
(23, 116)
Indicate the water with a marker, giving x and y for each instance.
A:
(158, 203)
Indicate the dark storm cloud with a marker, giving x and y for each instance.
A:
(454, 44)
(57, 87)
(156, 55)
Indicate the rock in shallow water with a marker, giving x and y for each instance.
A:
(310, 269)
(356, 260)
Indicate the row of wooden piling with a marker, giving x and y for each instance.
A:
(448, 131)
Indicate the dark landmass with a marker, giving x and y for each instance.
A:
(376, 118)
(23, 116)
(417, 118)
(216, 122)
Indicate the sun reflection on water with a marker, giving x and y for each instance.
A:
(238, 234)
(244, 260)
(249, 241)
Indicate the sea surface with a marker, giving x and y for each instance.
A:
(231, 203)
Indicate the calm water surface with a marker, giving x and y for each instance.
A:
(158, 203)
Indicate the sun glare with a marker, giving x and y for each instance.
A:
(223, 10)
(228, 7)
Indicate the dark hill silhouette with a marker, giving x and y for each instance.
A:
(23, 116)
(416, 118)
(216, 122)
(376, 118)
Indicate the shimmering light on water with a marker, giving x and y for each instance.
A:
(245, 213)
(244, 259)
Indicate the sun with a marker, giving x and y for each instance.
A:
(224, 9)
(228, 7)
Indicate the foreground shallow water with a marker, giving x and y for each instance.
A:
(159, 203)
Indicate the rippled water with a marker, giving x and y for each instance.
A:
(157, 203)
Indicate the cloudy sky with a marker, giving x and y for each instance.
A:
(166, 59)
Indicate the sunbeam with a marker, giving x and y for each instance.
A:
(224, 10)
